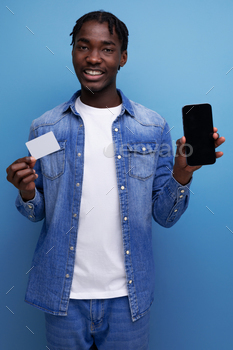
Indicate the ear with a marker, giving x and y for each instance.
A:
(124, 56)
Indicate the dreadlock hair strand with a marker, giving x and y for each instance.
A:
(101, 17)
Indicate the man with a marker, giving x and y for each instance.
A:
(93, 272)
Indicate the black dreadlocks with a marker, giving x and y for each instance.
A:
(102, 16)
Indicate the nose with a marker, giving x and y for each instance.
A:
(94, 57)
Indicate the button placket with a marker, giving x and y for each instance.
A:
(125, 218)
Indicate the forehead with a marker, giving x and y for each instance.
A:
(97, 32)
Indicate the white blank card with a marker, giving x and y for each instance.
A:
(43, 145)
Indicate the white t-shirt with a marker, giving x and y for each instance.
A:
(99, 271)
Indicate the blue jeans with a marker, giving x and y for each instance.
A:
(103, 324)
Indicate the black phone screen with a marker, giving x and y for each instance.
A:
(198, 130)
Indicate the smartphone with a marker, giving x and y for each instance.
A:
(198, 130)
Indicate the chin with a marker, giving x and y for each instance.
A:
(93, 87)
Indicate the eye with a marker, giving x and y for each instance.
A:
(82, 47)
(108, 50)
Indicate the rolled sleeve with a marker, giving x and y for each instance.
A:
(180, 195)
(32, 209)
(169, 198)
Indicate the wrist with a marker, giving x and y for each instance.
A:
(182, 176)
(27, 195)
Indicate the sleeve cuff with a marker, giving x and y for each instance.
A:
(29, 206)
(178, 191)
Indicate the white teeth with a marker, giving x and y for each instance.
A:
(93, 72)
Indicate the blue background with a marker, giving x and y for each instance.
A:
(178, 50)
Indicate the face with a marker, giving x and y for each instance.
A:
(96, 56)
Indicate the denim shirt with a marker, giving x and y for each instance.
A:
(146, 188)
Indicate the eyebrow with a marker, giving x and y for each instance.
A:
(108, 42)
(84, 40)
(104, 42)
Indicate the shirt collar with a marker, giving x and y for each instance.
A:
(126, 104)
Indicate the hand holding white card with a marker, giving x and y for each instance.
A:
(43, 145)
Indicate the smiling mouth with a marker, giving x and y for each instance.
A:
(93, 72)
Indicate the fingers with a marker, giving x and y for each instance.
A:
(30, 161)
(219, 141)
(24, 176)
(21, 173)
(218, 154)
(27, 161)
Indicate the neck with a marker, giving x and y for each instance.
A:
(100, 99)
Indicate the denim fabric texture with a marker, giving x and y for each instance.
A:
(146, 187)
(97, 324)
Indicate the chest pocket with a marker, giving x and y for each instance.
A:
(53, 165)
(141, 159)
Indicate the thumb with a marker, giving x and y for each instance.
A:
(180, 143)
(32, 162)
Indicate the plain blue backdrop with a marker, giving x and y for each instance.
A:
(178, 51)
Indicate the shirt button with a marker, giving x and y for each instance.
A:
(119, 157)
(130, 281)
(67, 275)
(81, 124)
(175, 210)
(181, 196)
(71, 248)
(127, 252)
(182, 191)
(30, 216)
(116, 129)
(77, 184)
(122, 187)
(125, 218)
(144, 148)
(29, 206)
(79, 154)
(74, 215)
